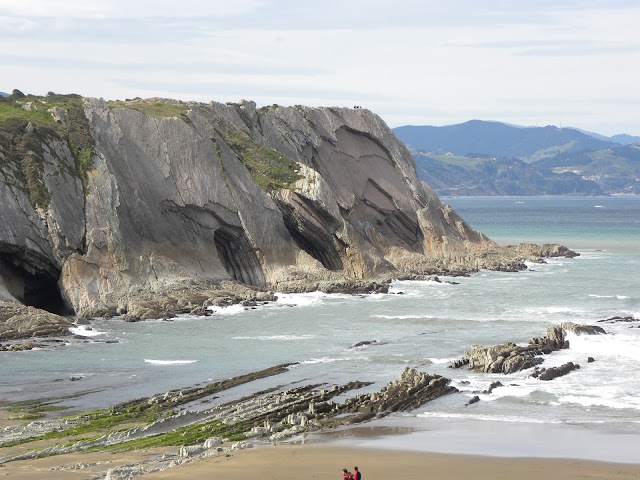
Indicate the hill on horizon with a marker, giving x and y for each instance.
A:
(479, 137)
(492, 158)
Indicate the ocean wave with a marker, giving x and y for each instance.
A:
(619, 297)
(440, 361)
(316, 361)
(85, 331)
(490, 418)
(230, 310)
(401, 317)
(169, 362)
(624, 345)
(587, 401)
(277, 338)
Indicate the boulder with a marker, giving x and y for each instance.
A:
(582, 329)
(547, 374)
(510, 358)
(19, 321)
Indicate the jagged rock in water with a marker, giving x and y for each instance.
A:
(510, 358)
(169, 196)
(472, 400)
(617, 319)
(582, 329)
(20, 321)
(550, 373)
(412, 390)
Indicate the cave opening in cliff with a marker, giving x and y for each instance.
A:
(32, 286)
(312, 234)
(237, 256)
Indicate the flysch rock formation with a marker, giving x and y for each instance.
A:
(144, 207)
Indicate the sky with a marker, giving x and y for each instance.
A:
(413, 62)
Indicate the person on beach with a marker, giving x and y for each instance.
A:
(356, 474)
(346, 475)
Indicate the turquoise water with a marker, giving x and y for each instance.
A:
(426, 327)
(579, 222)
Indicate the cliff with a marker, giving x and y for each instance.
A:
(113, 207)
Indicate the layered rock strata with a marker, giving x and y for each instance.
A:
(510, 358)
(273, 415)
(119, 205)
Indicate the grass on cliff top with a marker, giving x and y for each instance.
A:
(270, 169)
(23, 150)
(153, 109)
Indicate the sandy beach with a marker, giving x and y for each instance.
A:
(326, 462)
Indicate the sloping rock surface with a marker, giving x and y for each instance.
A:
(142, 198)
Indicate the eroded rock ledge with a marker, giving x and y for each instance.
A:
(273, 415)
(20, 321)
(510, 358)
(133, 203)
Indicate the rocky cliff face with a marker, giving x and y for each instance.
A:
(159, 194)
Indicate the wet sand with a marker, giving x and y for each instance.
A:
(324, 462)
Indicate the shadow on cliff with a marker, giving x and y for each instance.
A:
(32, 283)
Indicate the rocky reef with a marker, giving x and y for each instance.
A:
(272, 415)
(121, 208)
(510, 358)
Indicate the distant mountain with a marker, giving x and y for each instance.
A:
(3, 94)
(499, 177)
(622, 138)
(550, 160)
(498, 139)
(625, 139)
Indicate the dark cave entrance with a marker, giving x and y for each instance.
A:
(321, 250)
(36, 287)
(238, 257)
(312, 232)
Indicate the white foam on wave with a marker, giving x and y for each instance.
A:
(85, 331)
(623, 346)
(490, 418)
(401, 317)
(554, 310)
(440, 361)
(277, 338)
(230, 310)
(590, 401)
(316, 361)
(619, 297)
(169, 362)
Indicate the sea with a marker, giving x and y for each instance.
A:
(592, 413)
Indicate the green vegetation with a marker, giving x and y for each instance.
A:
(33, 410)
(143, 411)
(188, 435)
(22, 145)
(270, 169)
(153, 109)
(457, 160)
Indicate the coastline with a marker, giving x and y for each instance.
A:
(328, 461)
(485, 438)
(323, 462)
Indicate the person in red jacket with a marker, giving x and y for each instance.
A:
(346, 475)
(356, 474)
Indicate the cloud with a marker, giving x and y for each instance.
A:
(427, 61)
(127, 8)
(15, 25)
